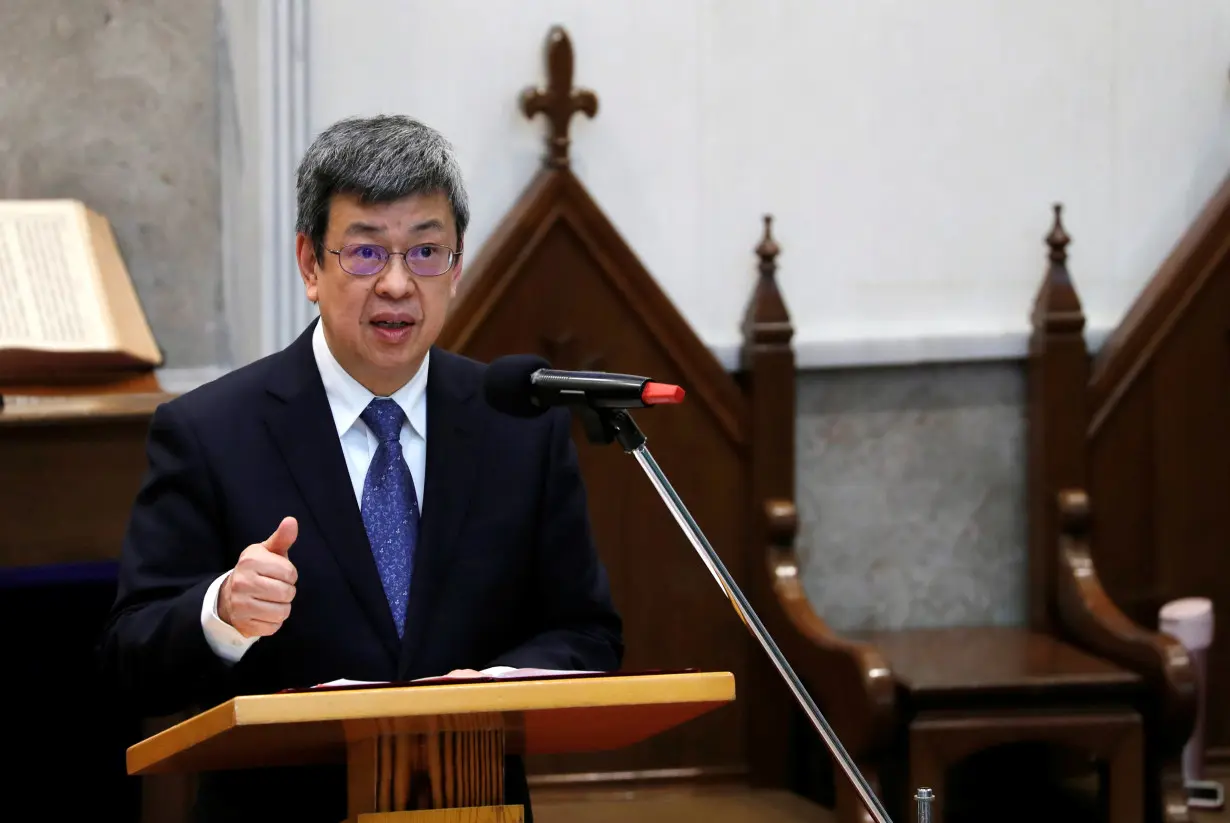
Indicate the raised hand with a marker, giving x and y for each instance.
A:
(256, 598)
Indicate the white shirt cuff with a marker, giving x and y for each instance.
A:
(223, 638)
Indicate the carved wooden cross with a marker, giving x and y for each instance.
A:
(559, 101)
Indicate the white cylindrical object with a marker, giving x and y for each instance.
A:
(1190, 621)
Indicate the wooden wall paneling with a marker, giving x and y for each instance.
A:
(1121, 482)
(1180, 282)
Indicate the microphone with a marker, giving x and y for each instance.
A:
(525, 385)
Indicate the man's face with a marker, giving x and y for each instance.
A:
(380, 326)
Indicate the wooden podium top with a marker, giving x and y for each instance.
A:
(547, 716)
(38, 410)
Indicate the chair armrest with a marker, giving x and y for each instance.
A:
(850, 681)
(1095, 622)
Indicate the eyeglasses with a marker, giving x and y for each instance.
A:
(366, 259)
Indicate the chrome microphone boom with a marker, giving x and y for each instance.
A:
(604, 426)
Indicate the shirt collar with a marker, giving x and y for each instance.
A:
(348, 397)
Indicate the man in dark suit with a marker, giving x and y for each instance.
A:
(351, 507)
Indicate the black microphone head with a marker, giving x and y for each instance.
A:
(507, 385)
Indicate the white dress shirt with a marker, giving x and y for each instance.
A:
(347, 400)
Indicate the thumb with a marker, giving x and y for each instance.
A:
(280, 541)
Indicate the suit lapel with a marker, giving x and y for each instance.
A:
(302, 426)
(453, 438)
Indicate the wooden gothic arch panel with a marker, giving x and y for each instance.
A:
(556, 279)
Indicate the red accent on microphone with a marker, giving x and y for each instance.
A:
(658, 394)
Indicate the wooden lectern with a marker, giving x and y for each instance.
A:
(432, 752)
(70, 467)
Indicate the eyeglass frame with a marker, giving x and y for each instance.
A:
(454, 257)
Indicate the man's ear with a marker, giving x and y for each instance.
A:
(309, 266)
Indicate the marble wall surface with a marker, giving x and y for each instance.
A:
(911, 495)
(113, 103)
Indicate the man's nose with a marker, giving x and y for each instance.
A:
(396, 281)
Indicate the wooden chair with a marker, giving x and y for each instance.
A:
(1141, 427)
(911, 705)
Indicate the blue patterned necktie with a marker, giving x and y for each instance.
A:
(390, 506)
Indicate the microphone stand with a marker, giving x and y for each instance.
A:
(604, 426)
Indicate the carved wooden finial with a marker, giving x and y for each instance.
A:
(1058, 239)
(1057, 308)
(766, 321)
(767, 250)
(559, 100)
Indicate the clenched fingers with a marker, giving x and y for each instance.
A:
(268, 564)
(266, 612)
(259, 587)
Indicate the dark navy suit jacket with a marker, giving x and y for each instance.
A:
(505, 569)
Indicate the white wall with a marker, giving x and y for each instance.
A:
(909, 151)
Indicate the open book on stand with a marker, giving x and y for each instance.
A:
(69, 313)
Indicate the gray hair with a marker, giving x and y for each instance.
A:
(379, 159)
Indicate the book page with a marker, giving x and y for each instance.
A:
(131, 327)
(513, 674)
(332, 684)
(50, 297)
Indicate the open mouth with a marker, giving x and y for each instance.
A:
(392, 324)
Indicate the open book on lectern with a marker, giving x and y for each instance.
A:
(68, 308)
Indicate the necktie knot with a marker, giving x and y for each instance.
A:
(384, 417)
